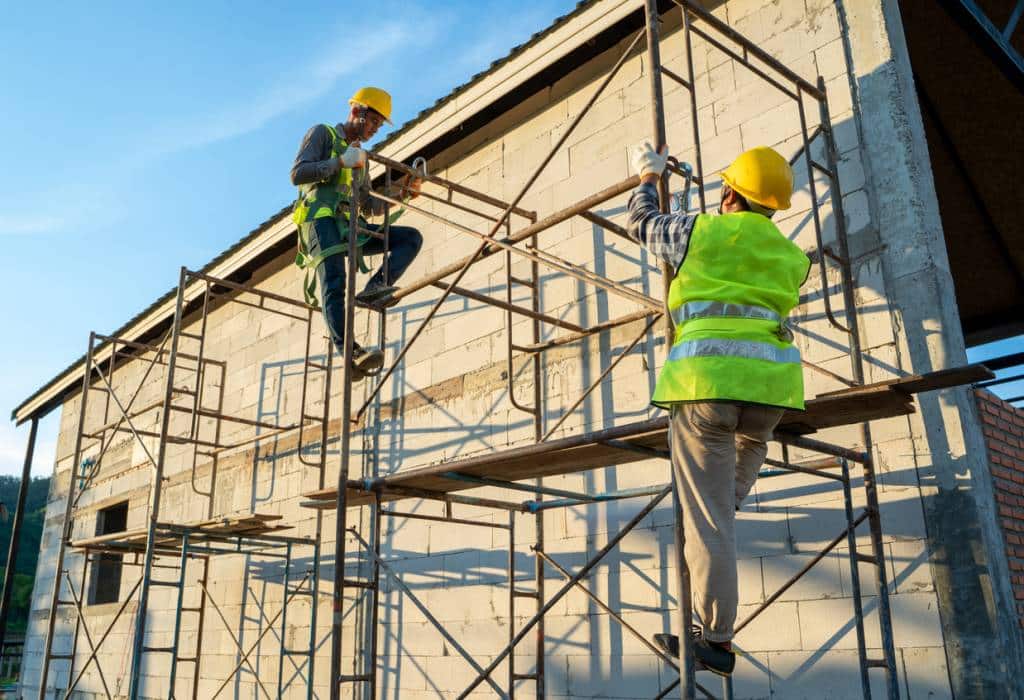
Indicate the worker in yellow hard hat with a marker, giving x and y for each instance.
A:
(732, 370)
(324, 171)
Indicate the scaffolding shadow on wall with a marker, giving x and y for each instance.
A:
(190, 420)
(518, 469)
(640, 441)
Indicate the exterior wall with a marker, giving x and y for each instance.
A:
(964, 542)
(450, 400)
(1004, 437)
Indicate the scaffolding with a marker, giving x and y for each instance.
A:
(191, 375)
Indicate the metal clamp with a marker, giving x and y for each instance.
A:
(419, 164)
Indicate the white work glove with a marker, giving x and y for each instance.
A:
(353, 157)
(647, 161)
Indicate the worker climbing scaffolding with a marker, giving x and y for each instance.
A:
(732, 369)
(328, 170)
(732, 380)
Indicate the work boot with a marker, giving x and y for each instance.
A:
(377, 295)
(365, 361)
(713, 656)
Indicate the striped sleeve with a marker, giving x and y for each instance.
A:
(666, 236)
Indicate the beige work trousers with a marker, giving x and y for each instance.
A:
(717, 450)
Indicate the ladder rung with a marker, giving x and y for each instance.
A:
(294, 652)
(361, 677)
(60, 657)
(317, 365)
(297, 591)
(876, 663)
(866, 558)
(186, 392)
(358, 584)
(194, 336)
(66, 602)
(519, 280)
(524, 676)
(169, 584)
(525, 594)
(195, 610)
(188, 659)
(306, 416)
(159, 650)
(821, 168)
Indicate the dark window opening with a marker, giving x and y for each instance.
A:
(106, 567)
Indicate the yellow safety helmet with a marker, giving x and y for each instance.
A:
(762, 176)
(376, 99)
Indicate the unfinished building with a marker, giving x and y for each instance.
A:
(231, 516)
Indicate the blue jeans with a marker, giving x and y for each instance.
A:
(405, 242)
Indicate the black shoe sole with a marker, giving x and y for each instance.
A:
(369, 366)
(667, 647)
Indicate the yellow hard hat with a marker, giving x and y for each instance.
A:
(762, 176)
(376, 99)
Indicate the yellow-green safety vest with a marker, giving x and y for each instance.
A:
(323, 199)
(729, 300)
(320, 200)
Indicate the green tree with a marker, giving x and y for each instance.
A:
(28, 549)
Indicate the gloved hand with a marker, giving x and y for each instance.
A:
(353, 157)
(411, 187)
(646, 161)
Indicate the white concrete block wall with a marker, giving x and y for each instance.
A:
(802, 646)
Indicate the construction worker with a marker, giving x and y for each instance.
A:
(732, 370)
(329, 162)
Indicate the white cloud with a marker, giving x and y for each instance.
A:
(60, 209)
(28, 224)
(304, 84)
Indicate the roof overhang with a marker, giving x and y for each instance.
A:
(570, 41)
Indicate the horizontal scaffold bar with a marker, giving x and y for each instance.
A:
(614, 446)
(522, 234)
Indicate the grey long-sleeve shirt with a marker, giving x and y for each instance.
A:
(313, 163)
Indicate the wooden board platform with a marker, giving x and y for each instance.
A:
(249, 525)
(592, 450)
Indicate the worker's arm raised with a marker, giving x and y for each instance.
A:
(313, 163)
(666, 236)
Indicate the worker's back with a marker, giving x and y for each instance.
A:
(729, 300)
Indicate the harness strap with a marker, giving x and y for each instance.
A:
(309, 263)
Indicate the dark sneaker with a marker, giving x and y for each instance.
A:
(709, 655)
(366, 361)
(376, 296)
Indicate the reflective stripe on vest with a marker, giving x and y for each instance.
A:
(730, 299)
(703, 309)
(746, 349)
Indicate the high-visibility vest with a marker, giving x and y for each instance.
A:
(729, 300)
(319, 200)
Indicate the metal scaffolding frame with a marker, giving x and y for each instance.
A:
(197, 293)
(746, 53)
(188, 380)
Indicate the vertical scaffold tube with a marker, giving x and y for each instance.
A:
(156, 490)
(686, 668)
(341, 500)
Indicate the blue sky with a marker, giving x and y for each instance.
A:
(139, 137)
